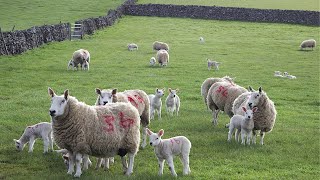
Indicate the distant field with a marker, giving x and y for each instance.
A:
(24, 14)
(312, 5)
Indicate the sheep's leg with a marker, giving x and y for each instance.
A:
(31, 143)
(159, 113)
(243, 136)
(160, 162)
(254, 137)
(85, 162)
(144, 137)
(50, 141)
(71, 163)
(99, 162)
(45, 144)
(262, 133)
(131, 161)
(171, 166)
(111, 160)
(215, 114)
(124, 164)
(185, 161)
(237, 137)
(152, 113)
(78, 159)
(106, 164)
(231, 129)
(249, 137)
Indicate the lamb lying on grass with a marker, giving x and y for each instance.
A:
(287, 75)
(277, 74)
(41, 130)
(132, 47)
(201, 39)
(166, 149)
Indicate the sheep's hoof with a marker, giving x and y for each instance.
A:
(77, 175)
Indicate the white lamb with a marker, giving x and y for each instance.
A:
(287, 75)
(166, 149)
(41, 130)
(201, 39)
(153, 61)
(243, 124)
(310, 43)
(214, 64)
(132, 47)
(156, 103)
(173, 102)
(277, 74)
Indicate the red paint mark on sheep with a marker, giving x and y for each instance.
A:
(132, 101)
(125, 122)
(172, 140)
(223, 91)
(109, 121)
(139, 98)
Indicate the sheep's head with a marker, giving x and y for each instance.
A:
(58, 103)
(105, 96)
(248, 113)
(173, 93)
(155, 138)
(18, 144)
(160, 92)
(255, 97)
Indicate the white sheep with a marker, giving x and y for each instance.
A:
(132, 47)
(310, 43)
(173, 102)
(156, 103)
(153, 61)
(214, 64)
(160, 46)
(166, 149)
(101, 131)
(79, 57)
(243, 124)
(277, 74)
(201, 39)
(287, 75)
(264, 119)
(163, 57)
(41, 130)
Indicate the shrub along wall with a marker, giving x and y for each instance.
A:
(226, 13)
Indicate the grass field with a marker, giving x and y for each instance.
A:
(25, 14)
(251, 52)
(312, 5)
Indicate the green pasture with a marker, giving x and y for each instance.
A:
(251, 52)
(312, 5)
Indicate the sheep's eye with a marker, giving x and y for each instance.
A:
(63, 101)
(157, 138)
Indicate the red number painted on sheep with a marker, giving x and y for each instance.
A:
(109, 121)
(132, 101)
(223, 91)
(125, 122)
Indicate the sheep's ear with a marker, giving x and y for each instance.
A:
(98, 91)
(66, 94)
(250, 89)
(16, 141)
(255, 109)
(177, 90)
(149, 132)
(169, 89)
(51, 92)
(260, 89)
(164, 89)
(114, 91)
(157, 90)
(244, 109)
(161, 132)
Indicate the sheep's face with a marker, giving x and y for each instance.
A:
(58, 103)
(155, 138)
(104, 96)
(159, 92)
(254, 98)
(248, 113)
(19, 145)
(173, 93)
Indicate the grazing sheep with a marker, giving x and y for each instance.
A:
(214, 64)
(41, 130)
(138, 98)
(156, 103)
(79, 57)
(264, 119)
(160, 45)
(221, 96)
(163, 57)
(153, 61)
(243, 124)
(132, 47)
(208, 83)
(201, 39)
(173, 102)
(165, 149)
(277, 74)
(101, 131)
(310, 43)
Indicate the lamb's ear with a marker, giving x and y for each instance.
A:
(51, 92)
(16, 141)
(169, 89)
(255, 109)
(114, 91)
(244, 109)
(66, 94)
(177, 90)
(250, 89)
(164, 89)
(161, 132)
(260, 89)
(98, 91)
(149, 132)
(157, 90)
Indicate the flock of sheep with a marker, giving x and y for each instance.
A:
(112, 126)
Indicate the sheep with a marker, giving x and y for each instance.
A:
(208, 83)
(101, 131)
(153, 61)
(243, 124)
(163, 57)
(201, 39)
(137, 98)
(79, 57)
(264, 119)
(160, 46)
(287, 75)
(41, 130)
(221, 96)
(310, 43)
(214, 64)
(173, 102)
(132, 47)
(71, 65)
(277, 74)
(156, 103)
(165, 149)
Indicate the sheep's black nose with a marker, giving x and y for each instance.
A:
(105, 102)
(151, 144)
(249, 117)
(174, 95)
(52, 112)
(250, 105)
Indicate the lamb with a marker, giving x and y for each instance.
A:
(166, 149)
(201, 39)
(138, 98)
(173, 102)
(156, 103)
(152, 61)
(243, 124)
(221, 96)
(214, 64)
(264, 119)
(163, 57)
(79, 57)
(310, 43)
(101, 131)
(277, 74)
(160, 46)
(65, 155)
(41, 130)
(208, 83)
(287, 75)
(132, 47)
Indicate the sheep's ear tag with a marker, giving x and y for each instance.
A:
(66, 94)
(160, 133)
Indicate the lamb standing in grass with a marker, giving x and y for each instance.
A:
(160, 45)
(243, 124)
(79, 57)
(132, 47)
(310, 43)
(41, 130)
(153, 61)
(166, 149)
(214, 64)
(101, 131)
(156, 103)
(173, 102)
(163, 57)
